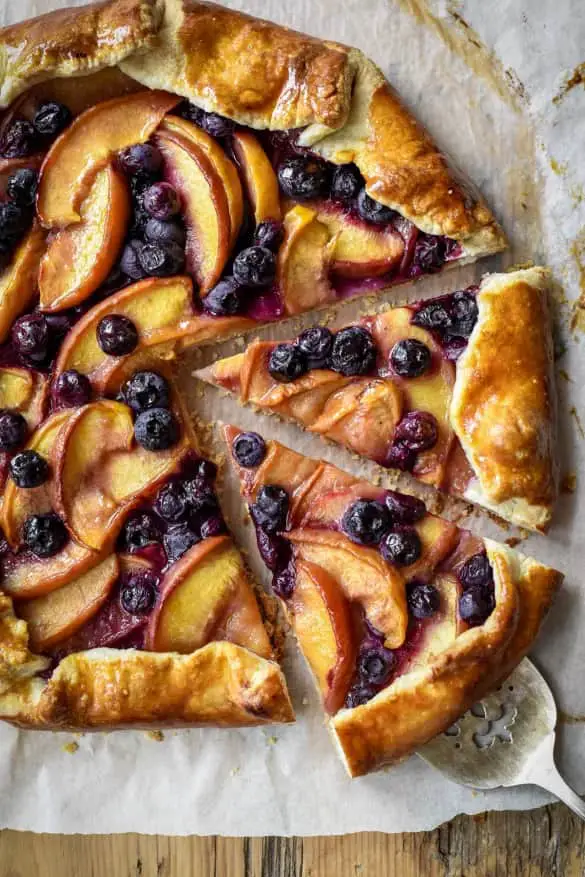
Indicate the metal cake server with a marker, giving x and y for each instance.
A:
(507, 739)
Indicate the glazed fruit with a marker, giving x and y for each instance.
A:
(433, 316)
(423, 600)
(476, 605)
(476, 572)
(28, 469)
(146, 389)
(375, 665)
(51, 118)
(225, 299)
(71, 389)
(410, 358)
(418, 431)
(130, 264)
(30, 336)
(138, 594)
(21, 187)
(249, 449)
(366, 521)
(140, 531)
(14, 221)
(402, 546)
(373, 211)
(359, 695)
(161, 260)
(19, 140)
(429, 253)
(45, 535)
(13, 430)
(255, 266)
(117, 335)
(212, 123)
(161, 201)
(287, 362)
(269, 234)
(304, 178)
(156, 429)
(401, 457)
(316, 343)
(346, 183)
(271, 508)
(178, 540)
(141, 158)
(403, 508)
(354, 351)
(171, 503)
(158, 231)
(464, 313)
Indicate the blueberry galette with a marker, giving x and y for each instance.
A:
(404, 619)
(459, 390)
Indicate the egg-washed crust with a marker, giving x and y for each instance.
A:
(504, 408)
(266, 76)
(424, 702)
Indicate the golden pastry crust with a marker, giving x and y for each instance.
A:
(422, 704)
(265, 76)
(504, 403)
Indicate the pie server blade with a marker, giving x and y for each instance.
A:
(506, 739)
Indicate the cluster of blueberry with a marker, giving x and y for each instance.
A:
(452, 318)
(351, 351)
(23, 138)
(184, 512)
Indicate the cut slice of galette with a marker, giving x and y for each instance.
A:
(270, 171)
(458, 390)
(123, 599)
(404, 619)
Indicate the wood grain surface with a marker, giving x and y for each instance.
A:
(549, 842)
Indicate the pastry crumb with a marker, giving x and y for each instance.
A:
(569, 482)
(513, 541)
(235, 771)
(565, 376)
(272, 740)
(157, 736)
(71, 748)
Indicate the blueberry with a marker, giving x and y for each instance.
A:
(283, 581)
(255, 266)
(161, 201)
(156, 429)
(45, 535)
(129, 261)
(161, 260)
(138, 594)
(366, 521)
(464, 314)
(249, 449)
(21, 187)
(358, 695)
(202, 500)
(225, 299)
(141, 530)
(402, 546)
(171, 503)
(19, 140)
(146, 389)
(159, 231)
(401, 457)
(403, 508)
(373, 211)
(346, 183)
(72, 389)
(432, 316)
(30, 336)
(14, 221)
(212, 123)
(212, 526)
(418, 430)
(141, 158)
(28, 469)
(178, 540)
(376, 665)
(410, 358)
(476, 572)
(51, 118)
(269, 234)
(13, 430)
(58, 325)
(304, 178)
(476, 605)
(287, 362)
(423, 600)
(354, 351)
(274, 550)
(117, 335)
(429, 252)
(270, 510)
(316, 343)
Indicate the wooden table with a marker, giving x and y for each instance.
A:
(549, 842)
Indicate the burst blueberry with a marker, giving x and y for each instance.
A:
(141, 158)
(270, 510)
(28, 469)
(44, 535)
(138, 594)
(376, 665)
(156, 429)
(141, 530)
(429, 252)
(129, 261)
(418, 431)
(19, 140)
(50, 118)
(159, 231)
(287, 362)
(347, 183)
(402, 546)
(476, 571)
(354, 351)
(423, 600)
(366, 521)
(21, 187)
(225, 299)
(171, 503)
(316, 343)
(464, 313)
(178, 540)
(403, 508)
(13, 430)
(373, 211)
(161, 260)
(432, 316)
(269, 234)
(255, 266)
(146, 389)
(249, 449)
(410, 358)
(476, 605)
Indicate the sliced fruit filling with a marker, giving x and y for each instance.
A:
(113, 531)
(383, 387)
(143, 186)
(376, 585)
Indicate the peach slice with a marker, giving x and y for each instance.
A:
(205, 207)
(18, 281)
(221, 163)
(304, 259)
(259, 177)
(161, 310)
(79, 258)
(329, 507)
(195, 594)
(362, 575)
(23, 390)
(100, 473)
(27, 576)
(323, 625)
(57, 615)
(438, 539)
(360, 250)
(242, 623)
(88, 144)
(442, 629)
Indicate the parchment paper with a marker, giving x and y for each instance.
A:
(496, 115)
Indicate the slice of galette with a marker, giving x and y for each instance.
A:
(458, 390)
(270, 171)
(404, 619)
(123, 599)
